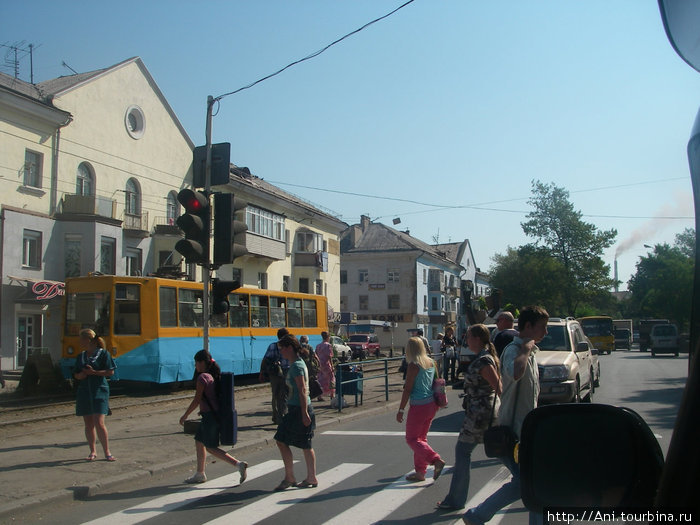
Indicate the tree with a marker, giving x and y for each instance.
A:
(577, 245)
(529, 275)
(663, 283)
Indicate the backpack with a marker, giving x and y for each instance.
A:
(226, 416)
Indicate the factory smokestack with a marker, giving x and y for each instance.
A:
(617, 285)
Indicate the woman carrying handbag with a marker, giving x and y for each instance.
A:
(482, 385)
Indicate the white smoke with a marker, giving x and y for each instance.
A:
(680, 207)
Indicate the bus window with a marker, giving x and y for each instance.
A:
(238, 313)
(191, 305)
(277, 314)
(258, 311)
(294, 313)
(310, 313)
(167, 300)
(87, 310)
(127, 309)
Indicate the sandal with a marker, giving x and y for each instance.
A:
(439, 465)
(415, 477)
(91, 457)
(110, 458)
(306, 485)
(284, 485)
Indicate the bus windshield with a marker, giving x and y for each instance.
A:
(87, 310)
(597, 327)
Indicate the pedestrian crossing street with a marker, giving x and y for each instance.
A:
(373, 508)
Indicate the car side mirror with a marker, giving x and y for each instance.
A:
(621, 469)
(582, 346)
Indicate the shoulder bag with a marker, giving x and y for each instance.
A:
(500, 441)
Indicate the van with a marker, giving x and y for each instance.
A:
(664, 339)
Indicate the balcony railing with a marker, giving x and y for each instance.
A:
(165, 225)
(136, 221)
(88, 205)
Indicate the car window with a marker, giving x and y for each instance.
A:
(358, 338)
(555, 339)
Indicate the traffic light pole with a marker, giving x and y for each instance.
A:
(207, 191)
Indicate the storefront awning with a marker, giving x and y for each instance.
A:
(38, 290)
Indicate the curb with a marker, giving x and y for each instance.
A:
(83, 492)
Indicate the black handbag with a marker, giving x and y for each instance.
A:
(500, 441)
(315, 389)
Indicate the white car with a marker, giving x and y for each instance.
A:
(342, 351)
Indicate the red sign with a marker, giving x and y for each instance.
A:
(48, 289)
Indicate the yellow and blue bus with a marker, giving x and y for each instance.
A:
(600, 330)
(153, 326)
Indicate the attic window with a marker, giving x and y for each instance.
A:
(135, 122)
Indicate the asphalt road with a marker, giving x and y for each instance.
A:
(361, 465)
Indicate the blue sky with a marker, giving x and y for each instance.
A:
(447, 102)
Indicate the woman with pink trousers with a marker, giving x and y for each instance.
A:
(418, 389)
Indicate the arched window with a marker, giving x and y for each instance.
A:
(133, 197)
(85, 180)
(173, 208)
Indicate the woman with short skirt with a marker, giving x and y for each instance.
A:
(418, 389)
(206, 439)
(92, 368)
(298, 424)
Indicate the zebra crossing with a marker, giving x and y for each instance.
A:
(374, 507)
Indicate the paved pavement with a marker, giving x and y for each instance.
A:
(43, 461)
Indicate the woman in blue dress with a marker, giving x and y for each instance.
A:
(92, 368)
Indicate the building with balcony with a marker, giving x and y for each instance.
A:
(92, 164)
(292, 245)
(387, 275)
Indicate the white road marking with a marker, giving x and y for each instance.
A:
(380, 504)
(158, 506)
(372, 433)
(278, 501)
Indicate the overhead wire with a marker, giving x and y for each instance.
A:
(314, 54)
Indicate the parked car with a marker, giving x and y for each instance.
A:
(623, 338)
(565, 363)
(363, 345)
(342, 351)
(664, 339)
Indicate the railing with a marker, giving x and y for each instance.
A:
(354, 379)
(88, 205)
(138, 221)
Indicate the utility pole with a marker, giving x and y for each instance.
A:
(206, 267)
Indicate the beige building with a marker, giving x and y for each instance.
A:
(292, 245)
(91, 165)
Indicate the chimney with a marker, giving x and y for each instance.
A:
(617, 286)
(364, 222)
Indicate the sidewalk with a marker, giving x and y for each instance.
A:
(43, 461)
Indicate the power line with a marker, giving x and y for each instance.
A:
(314, 54)
(483, 206)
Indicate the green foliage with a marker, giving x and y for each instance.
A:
(663, 283)
(563, 269)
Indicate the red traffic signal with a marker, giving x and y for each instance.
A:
(195, 225)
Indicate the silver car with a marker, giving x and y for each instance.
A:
(565, 363)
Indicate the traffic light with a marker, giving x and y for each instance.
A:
(195, 224)
(219, 295)
(229, 233)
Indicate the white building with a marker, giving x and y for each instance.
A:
(292, 245)
(91, 163)
(387, 275)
